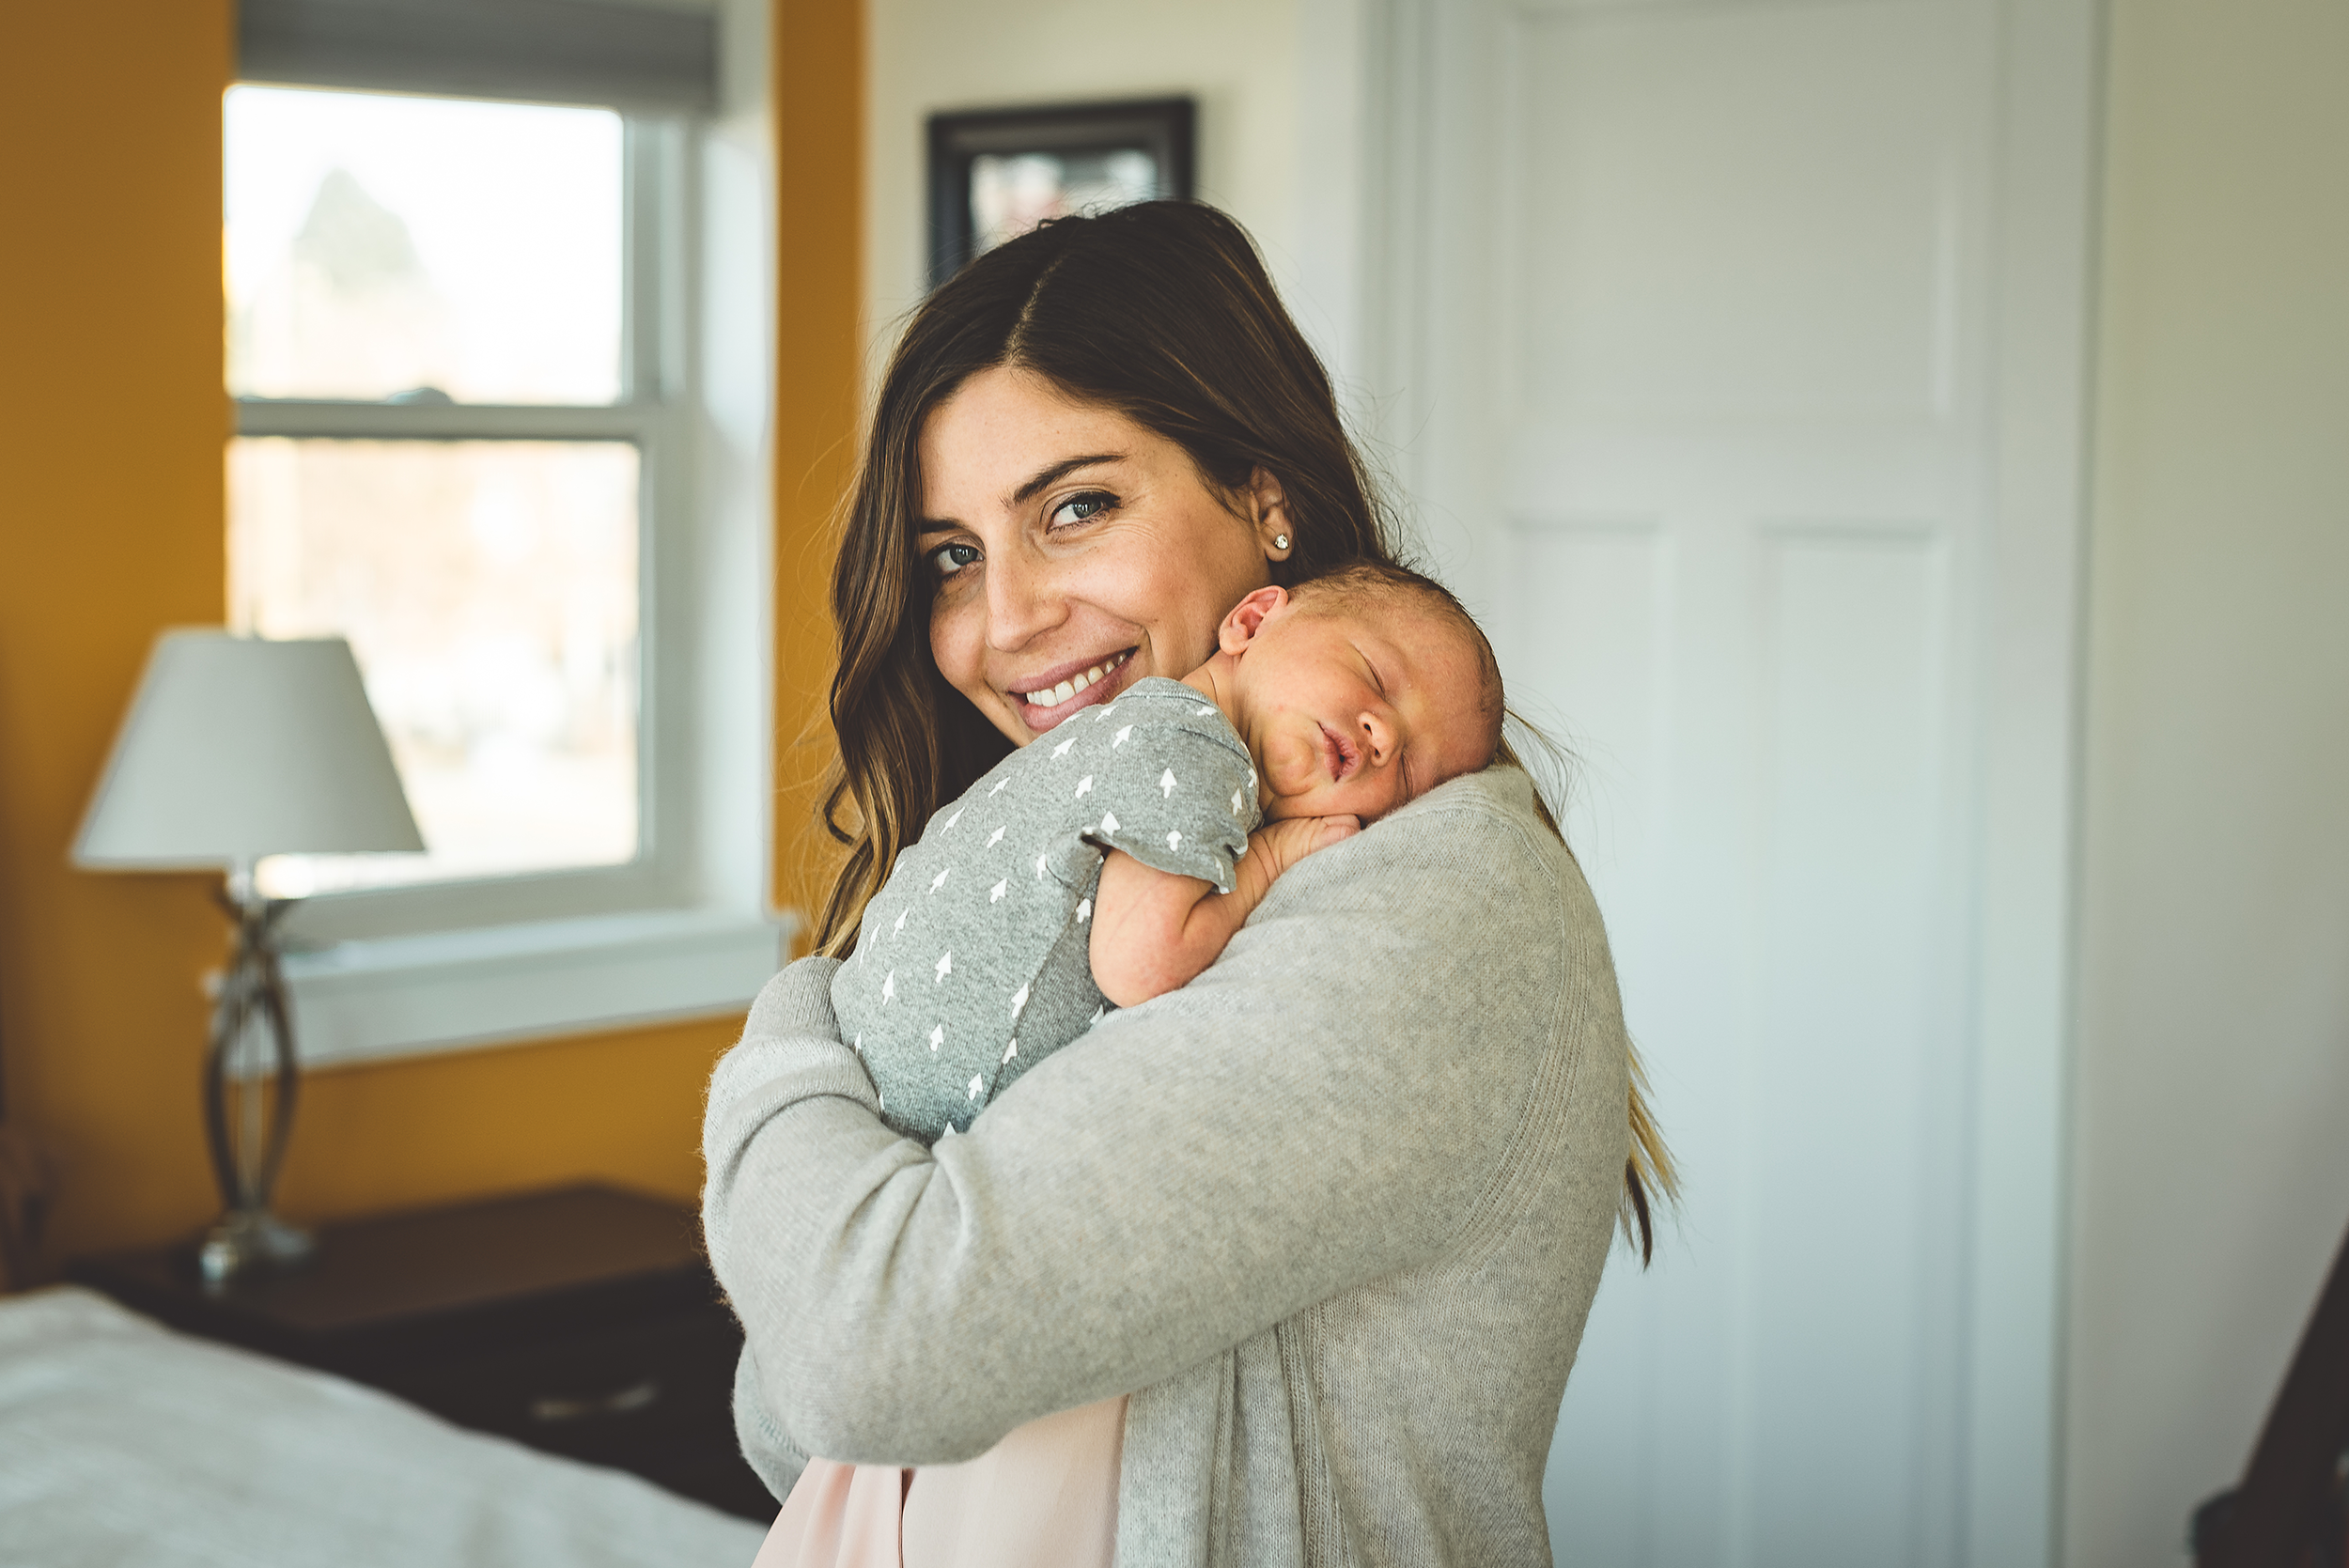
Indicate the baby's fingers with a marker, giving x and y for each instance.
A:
(1331, 830)
(1285, 843)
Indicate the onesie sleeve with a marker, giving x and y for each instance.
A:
(1177, 790)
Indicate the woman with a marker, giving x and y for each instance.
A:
(1333, 1213)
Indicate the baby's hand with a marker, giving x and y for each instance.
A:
(1155, 930)
(1283, 843)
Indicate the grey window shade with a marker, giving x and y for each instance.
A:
(644, 57)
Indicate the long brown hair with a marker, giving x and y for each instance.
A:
(1161, 312)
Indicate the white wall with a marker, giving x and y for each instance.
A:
(2211, 1110)
(1237, 57)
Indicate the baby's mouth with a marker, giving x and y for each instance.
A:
(1036, 704)
(1343, 758)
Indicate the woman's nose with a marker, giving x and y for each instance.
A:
(1021, 601)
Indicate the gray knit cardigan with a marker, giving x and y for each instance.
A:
(1333, 1213)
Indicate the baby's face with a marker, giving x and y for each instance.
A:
(1355, 706)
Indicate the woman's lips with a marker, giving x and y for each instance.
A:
(1044, 706)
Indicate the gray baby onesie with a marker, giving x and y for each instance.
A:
(972, 963)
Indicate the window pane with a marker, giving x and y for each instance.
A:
(379, 245)
(490, 591)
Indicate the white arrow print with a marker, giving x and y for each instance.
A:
(995, 838)
(1166, 783)
(952, 820)
(945, 966)
(901, 920)
(997, 890)
(1108, 822)
(1236, 802)
(938, 1037)
(1062, 750)
(1100, 714)
(1174, 841)
(974, 1088)
(1039, 867)
(1084, 910)
(999, 786)
(1013, 1049)
(889, 988)
(1084, 786)
(940, 881)
(1018, 1000)
(1203, 710)
(1120, 739)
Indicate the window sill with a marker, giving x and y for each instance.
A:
(450, 991)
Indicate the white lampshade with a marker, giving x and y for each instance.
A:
(238, 747)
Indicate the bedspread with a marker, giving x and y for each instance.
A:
(121, 1442)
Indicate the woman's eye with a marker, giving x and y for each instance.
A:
(946, 560)
(1082, 509)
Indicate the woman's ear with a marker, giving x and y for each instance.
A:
(1247, 618)
(1269, 505)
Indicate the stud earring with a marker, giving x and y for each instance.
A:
(1280, 541)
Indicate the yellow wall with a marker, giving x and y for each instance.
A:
(818, 99)
(112, 420)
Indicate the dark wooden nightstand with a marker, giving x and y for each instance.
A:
(583, 1321)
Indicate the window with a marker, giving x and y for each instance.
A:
(475, 437)
(403, 270)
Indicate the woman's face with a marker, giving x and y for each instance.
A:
(1074, 551)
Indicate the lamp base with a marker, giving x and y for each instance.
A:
(250, 1241)
(249, 1103)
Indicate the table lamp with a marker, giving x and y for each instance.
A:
(236, 747)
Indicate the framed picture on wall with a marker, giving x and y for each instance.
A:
(998, 173)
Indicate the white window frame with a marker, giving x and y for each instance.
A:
(686, 928)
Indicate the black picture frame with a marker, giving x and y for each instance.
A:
(1165, 128)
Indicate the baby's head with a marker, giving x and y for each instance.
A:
(1357, 691)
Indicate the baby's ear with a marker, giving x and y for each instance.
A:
(1247, 618)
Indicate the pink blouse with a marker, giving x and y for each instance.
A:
(1046, 1497)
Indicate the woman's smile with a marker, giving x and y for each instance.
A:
(1052, 695)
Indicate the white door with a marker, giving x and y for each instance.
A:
(1728, 353)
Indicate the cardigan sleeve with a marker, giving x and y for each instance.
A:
(1327, 1104)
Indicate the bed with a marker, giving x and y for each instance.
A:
(122, 1442)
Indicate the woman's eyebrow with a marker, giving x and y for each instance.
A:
(1060, 470)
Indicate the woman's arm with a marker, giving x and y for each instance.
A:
(1324, 1106)
(1154, 931)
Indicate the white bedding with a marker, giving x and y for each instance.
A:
(123, 1443)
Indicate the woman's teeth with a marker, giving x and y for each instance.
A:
(1054, 697)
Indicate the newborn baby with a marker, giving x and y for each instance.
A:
(1110, 860)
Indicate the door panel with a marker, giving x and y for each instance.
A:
(1731, 211)
(1698, 362)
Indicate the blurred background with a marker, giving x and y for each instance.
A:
(1898, 446)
